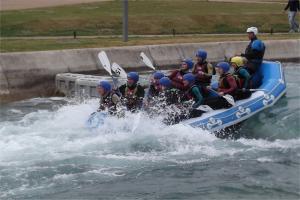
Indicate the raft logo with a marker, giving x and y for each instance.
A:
(212, 122)
(242, 112)
(268, 99)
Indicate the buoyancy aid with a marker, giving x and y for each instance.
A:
(227, 84)
(203, 72)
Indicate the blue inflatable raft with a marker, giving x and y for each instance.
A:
(272, 87)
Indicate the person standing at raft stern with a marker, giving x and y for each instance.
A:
(177, 76)
(109, 100)
(203, 70)
(132, 92)
(254, 52)
(293, 6)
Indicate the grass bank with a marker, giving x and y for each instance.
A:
(16, 45)
(145, 17)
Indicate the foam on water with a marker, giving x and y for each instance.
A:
(57, 145)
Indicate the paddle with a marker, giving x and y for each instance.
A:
(117, 69)
(205, 108)
(254, 90)
(227, 97)
(106, 65)
(121, 72)
(147, 61)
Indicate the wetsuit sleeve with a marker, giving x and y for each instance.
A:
(198, 97)
(245, 74)
(287, 6)
(232, 86)
(122, 89)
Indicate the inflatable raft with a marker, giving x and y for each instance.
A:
(272, 87)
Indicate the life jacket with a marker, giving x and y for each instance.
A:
(206, 68)
(106, 102)
(154, 90)
(131, 97)
(240, 79)
(177, 79)
(256, 54)
(130, 93)
(224, 83)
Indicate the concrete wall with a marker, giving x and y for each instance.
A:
(31, 74)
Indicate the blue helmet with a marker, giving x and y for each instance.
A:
(202, 54)
(189, 62)
(189, 77)
(158, 75)
(134, 76)
(257, 45)
(224, 66)
(165, 81)
(105, 85)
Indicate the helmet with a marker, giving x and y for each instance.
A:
(158, 75)
(189, 62)
(202, 54)
(165, 81)
(224, 66)
(252, 30)
(257, 45)
(105, 85)
(134, 76)
(189, 77)
(238, 60)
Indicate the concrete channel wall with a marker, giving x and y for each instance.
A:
(32, 74)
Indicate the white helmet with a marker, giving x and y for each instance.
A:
(252, 30)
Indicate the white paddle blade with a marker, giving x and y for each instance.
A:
(119, 70)
(146, 60)
(104, 61)
(205, 108)
(230, 99)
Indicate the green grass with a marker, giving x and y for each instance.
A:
(145, 17)
(13, 45)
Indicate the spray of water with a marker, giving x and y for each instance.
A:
(55, 145)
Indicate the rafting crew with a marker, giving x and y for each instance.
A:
(254, 54)
(132, 92)
(154, 87)
(242, 77)
(203, 70)
(176, 76)
(187, 90)
(226, 86)
(169, 102)
(109, 99)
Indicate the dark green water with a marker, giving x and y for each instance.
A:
(46, 153)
